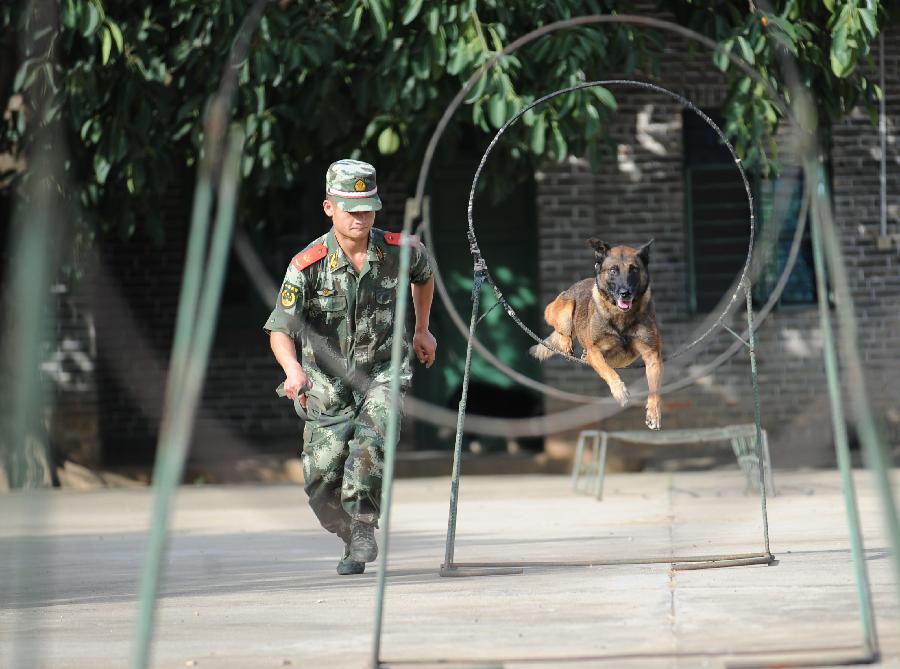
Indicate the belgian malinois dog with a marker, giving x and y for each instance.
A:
(613, 318)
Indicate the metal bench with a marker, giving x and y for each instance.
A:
(742, 438)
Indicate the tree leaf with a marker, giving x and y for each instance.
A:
(841, 58)
(538, 138)
(785, 26)
(357, 18)
(388, 141)
(869, 21)
(85, 128)
(560, 148)
(607, 98)
(593, 120)
(90, 19)
(529, 117)
(378, 16)
(840, 68)
(101, 168)
(477, 90)
(721, 60)
(116, 33)
(459, 58)
(411, 11)
(497, 110)
(784, 41)
(68, 15)
(105, 45)
(746, 50)
(433, 20)
(21, 74)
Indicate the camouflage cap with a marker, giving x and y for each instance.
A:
(351, 184)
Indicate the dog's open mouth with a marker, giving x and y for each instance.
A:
(623, 304)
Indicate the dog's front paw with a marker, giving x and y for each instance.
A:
(653, 419)
(620, 392)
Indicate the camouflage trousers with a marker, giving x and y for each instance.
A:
(343, 447)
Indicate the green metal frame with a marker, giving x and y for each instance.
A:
(737, 435)
(451, 567)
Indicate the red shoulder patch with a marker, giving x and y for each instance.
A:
(399, 239)
(306, 258)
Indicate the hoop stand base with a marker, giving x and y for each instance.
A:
(679, 563)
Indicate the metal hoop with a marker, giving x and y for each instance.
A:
(479, 258)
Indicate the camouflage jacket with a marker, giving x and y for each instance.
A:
(344, 319)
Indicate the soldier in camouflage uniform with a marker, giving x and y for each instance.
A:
(337, 300)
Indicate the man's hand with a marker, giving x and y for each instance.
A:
(424, 345)
(296, 383)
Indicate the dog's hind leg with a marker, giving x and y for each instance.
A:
(654, 365)
(558, 314)
(608, 374)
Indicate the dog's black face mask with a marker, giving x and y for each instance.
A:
(621, 272)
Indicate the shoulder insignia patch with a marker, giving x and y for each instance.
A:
(399, 239)
(289, 295)
(306, 258)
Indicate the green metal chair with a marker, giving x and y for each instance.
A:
(741, 437)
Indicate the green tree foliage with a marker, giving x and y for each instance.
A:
(825, 40)
(366, 77)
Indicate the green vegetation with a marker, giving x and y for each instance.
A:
(370, 77)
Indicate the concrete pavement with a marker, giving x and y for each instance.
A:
(250, 578)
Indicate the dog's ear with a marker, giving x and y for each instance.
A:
(644, 253)
(600, 249)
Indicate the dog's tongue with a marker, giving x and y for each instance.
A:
(623, 304)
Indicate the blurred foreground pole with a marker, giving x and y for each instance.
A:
(198, 311)
(815, 177)
(869, 431)
(28, 315)
(38, 223)
(218, 177)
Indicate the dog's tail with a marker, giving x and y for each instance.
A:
(541, 352)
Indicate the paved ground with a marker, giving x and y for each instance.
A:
(251, 579)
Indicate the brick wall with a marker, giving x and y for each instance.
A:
(641, 195)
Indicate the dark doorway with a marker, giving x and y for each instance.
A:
(506, 227)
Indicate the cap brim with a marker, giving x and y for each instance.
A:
(354, 204)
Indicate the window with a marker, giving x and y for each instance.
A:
(780, 201)
(718, 226)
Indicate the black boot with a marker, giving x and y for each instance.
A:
(362, 542)
(348, 565)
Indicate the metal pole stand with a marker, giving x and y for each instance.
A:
(448, 568)
(452, 568)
